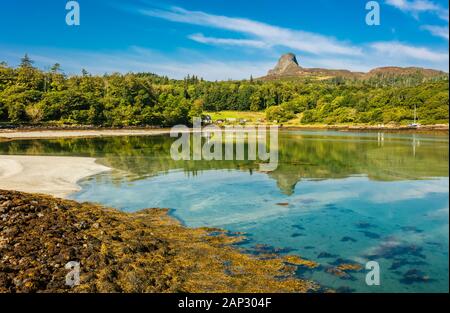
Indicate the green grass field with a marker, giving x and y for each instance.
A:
(251, 117)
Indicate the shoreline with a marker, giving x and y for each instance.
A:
(368, 128)
(45, 133)
(50, 175)
(33, 195)
(40, 133)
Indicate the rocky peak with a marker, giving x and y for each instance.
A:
(287, 65)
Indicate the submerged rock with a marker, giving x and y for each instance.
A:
(415, 276)
(296, 260)
(350, 267)
(343, 270)
(411, 229)
(347, 238)
(326, 255)
(397, 251)
(266, 249)
(298, 226)
(398, 263)
(364, 225)
(370, 235)
(341, 274)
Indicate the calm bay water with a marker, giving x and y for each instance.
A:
(336, 197)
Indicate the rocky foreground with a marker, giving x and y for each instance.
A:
(145, 251)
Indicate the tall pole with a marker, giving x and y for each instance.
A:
(415, 108)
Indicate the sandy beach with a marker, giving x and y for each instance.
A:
(56, 176)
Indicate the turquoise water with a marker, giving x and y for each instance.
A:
(335, 198)
(378, 217)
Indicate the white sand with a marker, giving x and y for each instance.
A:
(14, 134)
(56, 176)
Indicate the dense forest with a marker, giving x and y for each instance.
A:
(29, 95)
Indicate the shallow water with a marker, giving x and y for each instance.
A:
(336, 197)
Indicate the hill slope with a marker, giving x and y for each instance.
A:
(288, 67)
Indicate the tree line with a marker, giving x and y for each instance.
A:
(33, 96)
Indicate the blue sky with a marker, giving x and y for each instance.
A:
(222, 39)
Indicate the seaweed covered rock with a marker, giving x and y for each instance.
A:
(146, 251)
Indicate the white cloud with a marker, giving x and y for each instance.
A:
(228, 42)
(268, 34)
(386, 53)
(363, 64)
(416, 7)
(438, 31)
(416, 190)
(398, 50)
(318, 50)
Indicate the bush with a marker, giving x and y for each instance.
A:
(279, 114)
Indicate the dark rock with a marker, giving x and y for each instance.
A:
(398, 263)
(298, 226)
(369, 234)
(326, 255)
(287, 66)
(412, 229)
(364, 225)
(347, 238)
(397, 251)
(415, 276)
